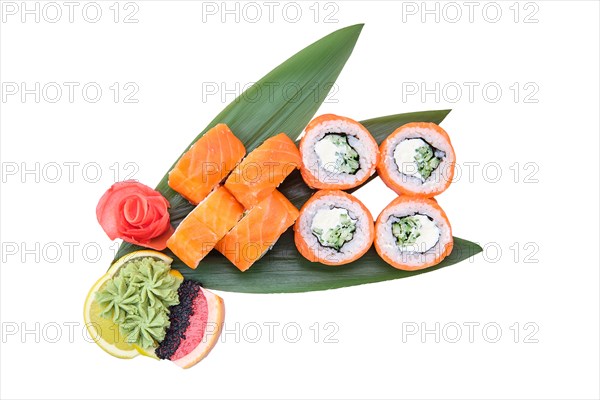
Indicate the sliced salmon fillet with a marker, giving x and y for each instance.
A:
(263, 170)
(200, 231)
(252, 237)
(206, 163)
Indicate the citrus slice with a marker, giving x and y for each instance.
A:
(104, 331)
(212, 324)
(149, 352)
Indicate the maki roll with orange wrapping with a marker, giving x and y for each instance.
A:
(258, 231)
(206, 163)
(263, 170)
(200, 231)
(334, 228)
(413, 233)
(337, 153)
(417, 159)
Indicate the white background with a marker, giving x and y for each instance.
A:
(549, 278)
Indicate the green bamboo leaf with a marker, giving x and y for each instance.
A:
(283, 269)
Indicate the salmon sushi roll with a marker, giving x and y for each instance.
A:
(258, 231)
(263, 170)
(417, 159)
(208, 222)
(334, 228)
(413, 233)
(206, 163)
(337, 153)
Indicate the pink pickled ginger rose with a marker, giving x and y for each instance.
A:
(135, 213)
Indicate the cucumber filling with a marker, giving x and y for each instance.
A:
(336, 154)
(415, 233)
(333, 227)
(417, 158)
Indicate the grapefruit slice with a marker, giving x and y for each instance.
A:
(212, 332)
(196, 324)
(104, 331)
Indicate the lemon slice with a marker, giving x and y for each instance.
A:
(104, 331)
(146, 352)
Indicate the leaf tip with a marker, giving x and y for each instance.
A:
(356, 29)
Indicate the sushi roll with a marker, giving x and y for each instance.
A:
(206, 163)
(334, 228)
(200, 231)
(337, 153)
(258, 231)
(259, 174)
(413, 233)
(417, 159)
